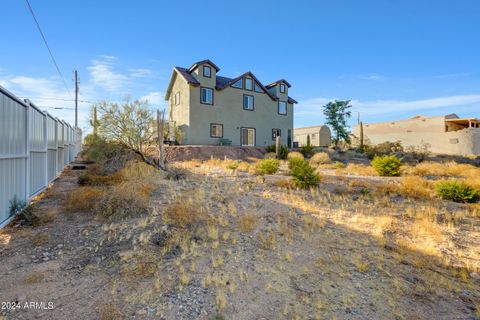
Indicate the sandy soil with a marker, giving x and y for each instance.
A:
(308, 255)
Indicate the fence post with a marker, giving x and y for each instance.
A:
(278, 146)
(27, 144)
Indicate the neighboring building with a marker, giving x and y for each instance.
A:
(319, 136)
(212, 109)
(445, 134)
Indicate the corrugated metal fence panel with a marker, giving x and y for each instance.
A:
(37, 134)
(52, 147)
(32, 150)
(13, 152)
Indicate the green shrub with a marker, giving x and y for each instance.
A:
(84, 179)
(339, 165)
(457, 191)
(16, 205)
(388, 166)
(295, 162)
(267, 166)
(303, 174)
(29, 214)
(385, 148)
(307, 150)
(234, 165)
(283, 151)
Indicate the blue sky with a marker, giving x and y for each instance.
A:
(393, 59)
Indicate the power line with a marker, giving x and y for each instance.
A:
(69, 100)
(48, 47)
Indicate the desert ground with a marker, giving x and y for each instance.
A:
(212, 239)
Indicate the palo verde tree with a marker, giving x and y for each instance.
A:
(337, 113)
(130, 123)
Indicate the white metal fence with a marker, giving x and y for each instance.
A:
(34, 149)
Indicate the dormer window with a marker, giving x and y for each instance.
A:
(248, 84)
(238, 84)
(207, 71)
(282, 88)
(258, 88)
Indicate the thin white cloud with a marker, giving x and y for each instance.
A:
(103, 74)
(372, 76)
(154, 98)
(49, 95)
(384, 107)
(140, 73)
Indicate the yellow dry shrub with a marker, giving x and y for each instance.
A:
(125, 199)
(320, 158)
(449, 169)
(246, 223)
(185, 213)
(415, 187)
(357, 170)
(295, 155)
(140, 171)
(83, 199)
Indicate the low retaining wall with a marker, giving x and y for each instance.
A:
(204, 152)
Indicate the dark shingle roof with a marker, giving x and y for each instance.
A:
(196, 64)
(273, 84)
(223, 82)
(190, 79)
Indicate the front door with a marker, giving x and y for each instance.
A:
(247, 137)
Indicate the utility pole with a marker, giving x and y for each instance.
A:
(76, 99)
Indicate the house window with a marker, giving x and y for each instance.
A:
(282, 108)
(276, 133)
(248, 102)
(258, 88)
(247, 137)
(216, 130)
(207, 71)
(248, 84)
(238, 84)
(282, 88)
(206, 95)
(176, 98)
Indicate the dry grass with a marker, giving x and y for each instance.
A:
(320, 158)
(110, 312)
(295, 155)
(83, 199)
(124, 199)
(41, 239)
(33, 278)
(357, 170)
(416, 187)
(247, 223)
(448, 169)
(185, 213)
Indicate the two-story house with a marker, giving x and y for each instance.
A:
(209, 108)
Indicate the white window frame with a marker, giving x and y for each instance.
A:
(247, 107)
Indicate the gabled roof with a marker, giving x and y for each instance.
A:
(185, 74)
(196, 64)
(225, 83)
(273, 84)
(221, 82)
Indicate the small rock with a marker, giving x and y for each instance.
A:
(46, 258)
(141, 312)
(60, 246)
(475, 275)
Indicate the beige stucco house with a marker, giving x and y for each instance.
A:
(447, 134)
(212, 109)
(319, 136)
